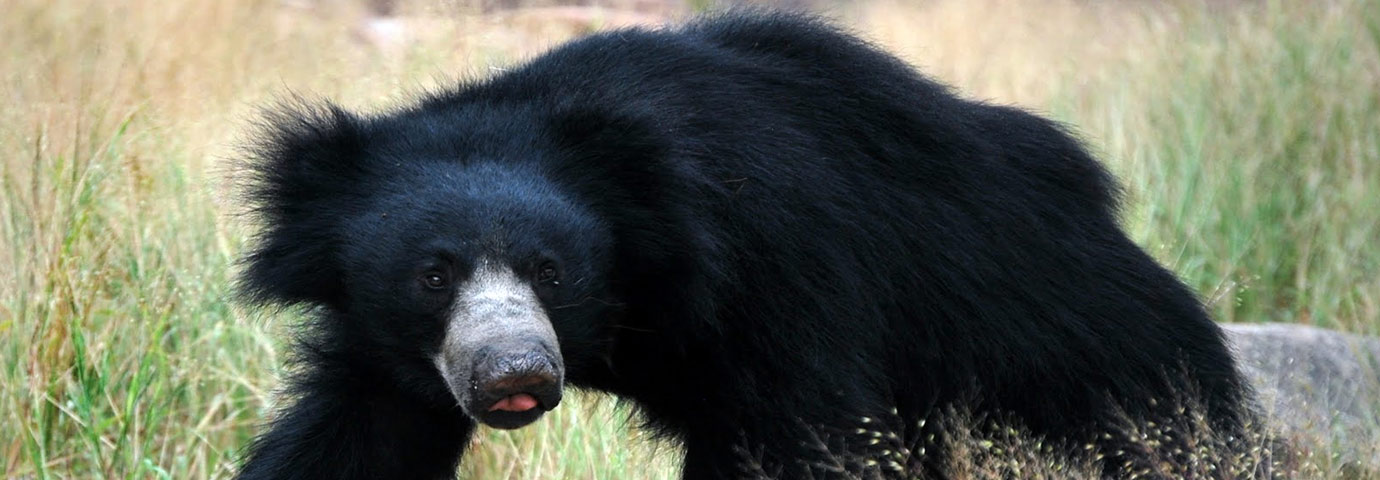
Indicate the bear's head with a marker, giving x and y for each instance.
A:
(442, 257)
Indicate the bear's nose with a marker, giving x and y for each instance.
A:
(516, 380)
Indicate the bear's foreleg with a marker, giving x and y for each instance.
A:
(341, 427)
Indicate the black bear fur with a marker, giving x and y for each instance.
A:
(773, 229)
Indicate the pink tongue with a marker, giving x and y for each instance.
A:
(515, 403)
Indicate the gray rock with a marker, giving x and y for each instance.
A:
(1315, 384)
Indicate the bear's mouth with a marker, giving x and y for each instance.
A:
(515, 403)
(516, 410)
(509, 401)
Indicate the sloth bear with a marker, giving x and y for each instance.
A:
(761, 231)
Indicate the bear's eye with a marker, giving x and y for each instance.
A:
(547, 273)
(434, 280)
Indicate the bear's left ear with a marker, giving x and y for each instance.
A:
(302, 178)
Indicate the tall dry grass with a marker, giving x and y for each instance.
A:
(1248, 135)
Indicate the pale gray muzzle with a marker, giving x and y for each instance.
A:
(500, 356)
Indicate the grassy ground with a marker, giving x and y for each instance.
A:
(1247, 134)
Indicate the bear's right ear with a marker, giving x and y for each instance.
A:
(300, 180)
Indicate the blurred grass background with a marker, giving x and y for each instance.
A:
(1247, 134)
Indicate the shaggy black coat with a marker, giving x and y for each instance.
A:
(779, 235)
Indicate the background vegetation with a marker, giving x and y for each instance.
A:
(1247, 135)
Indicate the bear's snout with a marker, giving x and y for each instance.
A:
(505, 384)
(500, 357)
(513, 385)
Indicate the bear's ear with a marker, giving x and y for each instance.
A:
(300, 178)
